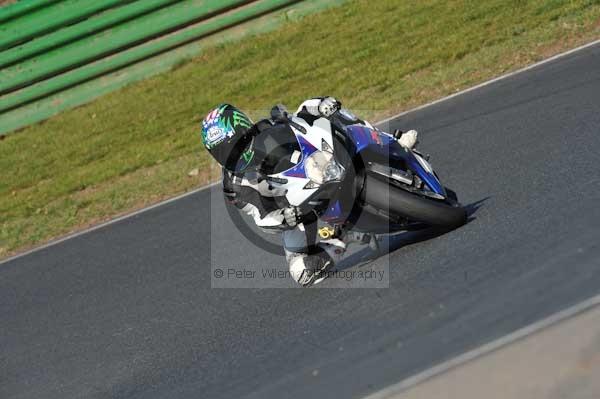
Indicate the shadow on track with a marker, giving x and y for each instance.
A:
(394, 242)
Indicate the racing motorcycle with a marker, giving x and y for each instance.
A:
(353, 175)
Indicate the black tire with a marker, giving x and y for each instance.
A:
(396, 201)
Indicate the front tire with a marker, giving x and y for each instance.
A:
(393, 200)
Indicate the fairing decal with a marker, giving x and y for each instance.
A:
(307, 149)
(333, 213)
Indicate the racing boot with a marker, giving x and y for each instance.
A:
(406, 139)
(308, 270)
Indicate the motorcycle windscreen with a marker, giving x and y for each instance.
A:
(276, 149)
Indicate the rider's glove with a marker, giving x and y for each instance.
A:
(329, 106)
(279, 113)
(292, 216)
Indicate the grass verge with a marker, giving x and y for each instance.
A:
(137, 146)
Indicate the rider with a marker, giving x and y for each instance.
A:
(228, 134)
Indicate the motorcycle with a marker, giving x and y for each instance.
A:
(354, 175)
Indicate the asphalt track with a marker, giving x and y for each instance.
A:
(126, 311)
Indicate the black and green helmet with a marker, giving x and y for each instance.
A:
(226, 134)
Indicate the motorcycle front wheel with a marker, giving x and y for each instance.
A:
(393, 200)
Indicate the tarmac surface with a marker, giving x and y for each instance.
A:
(127, 311)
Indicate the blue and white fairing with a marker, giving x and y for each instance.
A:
(316, 164)
(317, 139)
(373, 139)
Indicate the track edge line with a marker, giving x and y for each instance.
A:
(485, 349)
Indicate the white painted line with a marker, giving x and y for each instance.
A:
(108, 222)
(489, 82)
(441, 368)
(57, 241)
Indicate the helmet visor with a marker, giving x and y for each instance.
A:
(237, 156)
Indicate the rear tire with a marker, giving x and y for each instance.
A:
(395, 201)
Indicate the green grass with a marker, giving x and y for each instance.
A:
(136, 146)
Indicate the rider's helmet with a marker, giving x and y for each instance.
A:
(227, 135)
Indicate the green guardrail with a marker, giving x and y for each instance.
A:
(23, 7)
(137, 53)
(50, 18)
(108, 42)
(118, 43)
(71, 33)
